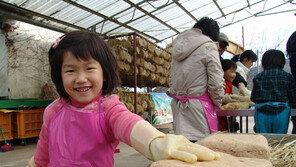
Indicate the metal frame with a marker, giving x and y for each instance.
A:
(134, 36)
(10, 11)
(225, 16)
(241, 113)
(107, 18)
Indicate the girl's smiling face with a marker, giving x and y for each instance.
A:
(82, 79)
(229, 74)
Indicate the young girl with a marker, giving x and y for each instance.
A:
(229, 68)
(244, 62)
(272, 92)
(83, 127)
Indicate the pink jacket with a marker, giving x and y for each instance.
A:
(120, 121)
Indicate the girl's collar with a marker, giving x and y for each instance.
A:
(77, 104)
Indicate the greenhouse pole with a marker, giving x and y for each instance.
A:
(243, 37)
(135, 71)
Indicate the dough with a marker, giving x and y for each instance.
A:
(226, 160)
(239, 145)
(236, 106)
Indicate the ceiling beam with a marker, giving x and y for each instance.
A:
(108, 18)
(241, 9)
(117, 13)
(151, 15)
(256, 3)
(215, 2)
(248, 3)
(127, 22)
(284, 11)
(28, 14)
(186, 11)
(256, 14)
(15, 16)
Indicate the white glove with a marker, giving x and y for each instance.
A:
(178, 147)
(31, 162)
(141, 136)
(243, 90)
(155, 145)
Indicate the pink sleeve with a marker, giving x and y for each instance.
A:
(41, 156)
(120, 118)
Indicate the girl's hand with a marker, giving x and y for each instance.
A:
(243, 90)
(31, 162)
(178, 147)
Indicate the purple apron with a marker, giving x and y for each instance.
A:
(208, 107)
(80, 139)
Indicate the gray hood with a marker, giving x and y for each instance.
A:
(187, 42)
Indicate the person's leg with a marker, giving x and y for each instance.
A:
(235, 124)
(262, 122)
(222, 122)
(293, 119)
(281, 122)
(254, 129)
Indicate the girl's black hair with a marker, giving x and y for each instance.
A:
(273, 58)
(209, 27)
(249, 54)
(228, 64)
(291, 50)
(83, 45)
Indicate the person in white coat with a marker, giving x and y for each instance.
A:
(244, 62)
(196, 80)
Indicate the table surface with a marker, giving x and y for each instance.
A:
(246, 112)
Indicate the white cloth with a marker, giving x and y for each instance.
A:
(242, 70)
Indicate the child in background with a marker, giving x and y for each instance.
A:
(83, 127)
(272, 92)
(229, 68)
(244, 62)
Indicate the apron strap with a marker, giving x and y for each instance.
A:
(183, 99)
(207, 106)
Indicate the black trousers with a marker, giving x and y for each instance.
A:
(293, 119)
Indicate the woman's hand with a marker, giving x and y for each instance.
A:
(243, 90)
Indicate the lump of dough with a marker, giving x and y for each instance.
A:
(239, 145)
(225, 160)
(236, 106)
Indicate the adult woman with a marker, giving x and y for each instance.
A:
(196, 80)
(291, 50)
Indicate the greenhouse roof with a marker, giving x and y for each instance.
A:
(156, 20)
